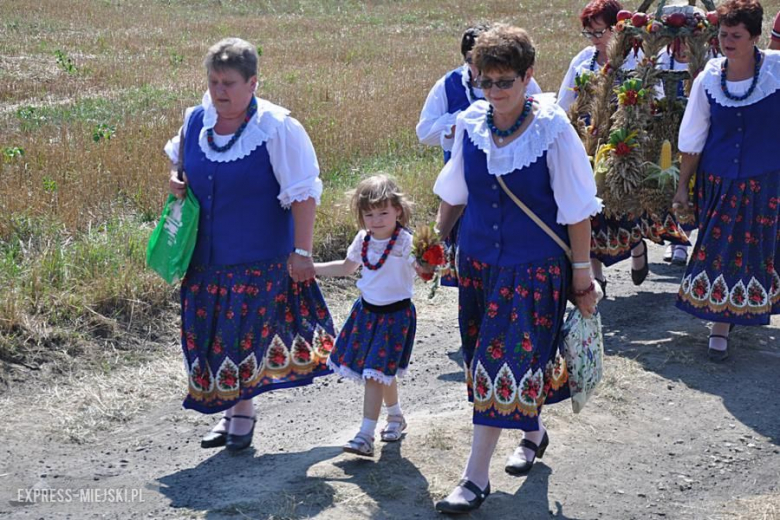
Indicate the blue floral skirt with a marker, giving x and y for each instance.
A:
(449, 271)
(511, 321)
(731, 276)
(613, 237)
(375, 345)
(248, 329)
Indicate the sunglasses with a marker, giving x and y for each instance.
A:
(595, 34)
(502, 84)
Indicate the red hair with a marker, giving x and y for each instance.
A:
(606, 10)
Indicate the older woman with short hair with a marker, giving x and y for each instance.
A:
(732, 276)
(514, 277)
(253, 318)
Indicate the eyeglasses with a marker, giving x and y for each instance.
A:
(502, 84)
(595, 34)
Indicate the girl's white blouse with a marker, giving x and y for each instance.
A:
(696, 121)
(289, 148)
(571, 176)
(581, 63)
(394, 281)
(435, 122)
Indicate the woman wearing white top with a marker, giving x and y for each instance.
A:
(598, 18)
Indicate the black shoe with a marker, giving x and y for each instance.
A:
(638, 276)
(517, 465)
(240, 442)
(603, 285)
(465, 506)
(718, 356)
(214, 439)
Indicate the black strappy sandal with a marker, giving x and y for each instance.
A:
(466, 506)
(718, 356)
(240, 442)
(214, 439)
(516, 464)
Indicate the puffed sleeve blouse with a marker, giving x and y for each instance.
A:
(571, 176)
(290, 150)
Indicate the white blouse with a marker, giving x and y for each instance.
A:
(392, 282)
(289, 148)
(696, 121)
(435, 123)
(581, 63)
(571, 176)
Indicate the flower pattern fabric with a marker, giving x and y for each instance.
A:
(248, 329)
(375, 346)
(511, 329)
(613, 237)
(732, 274)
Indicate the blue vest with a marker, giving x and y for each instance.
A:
(241, 220)
(493, 229)
(741, 142)
(457, 98)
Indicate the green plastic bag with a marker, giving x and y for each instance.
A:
(173, 240)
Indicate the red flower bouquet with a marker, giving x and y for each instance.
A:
(428, 250)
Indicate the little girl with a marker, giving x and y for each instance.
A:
(375, 343)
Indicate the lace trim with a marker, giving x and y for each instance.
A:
(464, 80)
(768, 81)
(263, 127)
(549, 121)
(368, 373)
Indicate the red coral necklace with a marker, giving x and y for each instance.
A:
(388, 248)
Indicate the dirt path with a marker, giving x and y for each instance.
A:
(669, 436)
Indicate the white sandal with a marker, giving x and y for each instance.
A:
(394, 429)
(362, 445)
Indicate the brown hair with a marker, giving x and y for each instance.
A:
(749, 12)
(233, 53)
(376, 191)
(504, 47)
(606, 10)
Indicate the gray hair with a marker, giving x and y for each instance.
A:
(233, 53)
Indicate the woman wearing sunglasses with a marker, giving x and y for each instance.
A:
(452, 93)
(514, 277)
(598, 19)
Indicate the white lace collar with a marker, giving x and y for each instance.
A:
(768, 80)
(261, 128)
(464, 80)
(549, 121)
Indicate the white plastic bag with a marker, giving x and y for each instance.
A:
(583, 350)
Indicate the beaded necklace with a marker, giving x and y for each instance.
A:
(250, 111)
(385, 254)
(529, 101)
(593, 61)
(724, 71)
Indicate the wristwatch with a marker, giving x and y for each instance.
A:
(302, 252)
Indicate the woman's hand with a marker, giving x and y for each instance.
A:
(178, 188)
(425, 272)
(586, 303)
(681, 206)
(300, 267)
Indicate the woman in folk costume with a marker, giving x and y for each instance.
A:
(451, 94)
(253, 318)
(514, 278)
(598, 20)
(732, 277)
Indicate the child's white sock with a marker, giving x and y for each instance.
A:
(395, 409)
(368, 427)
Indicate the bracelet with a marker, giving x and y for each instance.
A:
(580, 265)
(302, 252)
(589, 290)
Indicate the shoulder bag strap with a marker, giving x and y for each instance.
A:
(539, 222)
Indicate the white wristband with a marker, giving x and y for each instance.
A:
(580, 265)
(302, 252)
